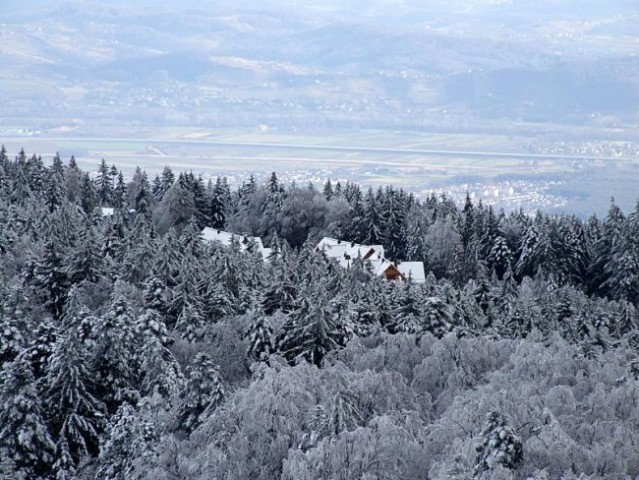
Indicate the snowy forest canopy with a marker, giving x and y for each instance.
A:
(131, 349)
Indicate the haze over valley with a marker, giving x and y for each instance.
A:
(556, 80)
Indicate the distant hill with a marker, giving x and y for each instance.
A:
(537, 61)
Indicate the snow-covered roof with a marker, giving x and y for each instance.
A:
(413, 270)
(339, 249)
(380, 266)
(346, 252)
(110, 211)
(225, 238)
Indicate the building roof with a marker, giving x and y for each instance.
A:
(413, 270)
(339, 249)
(345, 252)
(225, 238)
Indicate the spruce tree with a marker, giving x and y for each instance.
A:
(24, 435)
(407, 309)
(129, 439)
(56, 190)
(500, 445)
(218, 204)
(51, 277)
(260, 338)
(76, 415)
(115, 358)
(87, 262)
(104, 185)
(12, 341)
(204, 391)
(312, 331)
(372, 222)
(436, 317)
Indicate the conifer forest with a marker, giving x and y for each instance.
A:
(131, 349)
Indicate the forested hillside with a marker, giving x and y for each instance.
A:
(131, 349)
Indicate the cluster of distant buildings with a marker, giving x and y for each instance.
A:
(344, 253)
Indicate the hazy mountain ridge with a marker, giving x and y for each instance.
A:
(426, 47)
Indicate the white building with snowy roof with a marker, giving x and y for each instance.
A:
(346, 252)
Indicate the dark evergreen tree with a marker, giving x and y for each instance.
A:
(218, 204)
(500, 445)
(204, 392)
(312, 331)
(76, 416)
(24, 435)
(130, 439)
(436, 317)
(406, 310)
(260, 338)
(328, 190)
(394, 228)
(104, 185)
(36, 175)
(12, 341)
(115, 358)
(143, 200)
(86, 262)
(21, 192)
(52, 279)
(372, 223)
(89, 199)
(56, 190)
(120, 201)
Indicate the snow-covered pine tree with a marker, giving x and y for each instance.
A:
(260, 337)
(394, 229)
(204, 391)
(76, 415)
(500, 256)
(406, 308)
(12, 341)
(51, 277)
(24, 435)
(129, 439)
(168, 260)
(41, 346)
(104, 185)
(136, 266)
(189, 322)
(115, 358)
(500, 446)
(372, 221)
(312, 331)
(86, 262)
(626, 320)
(56, 191)
(218, 204)
(160, 371)
(436, 317)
